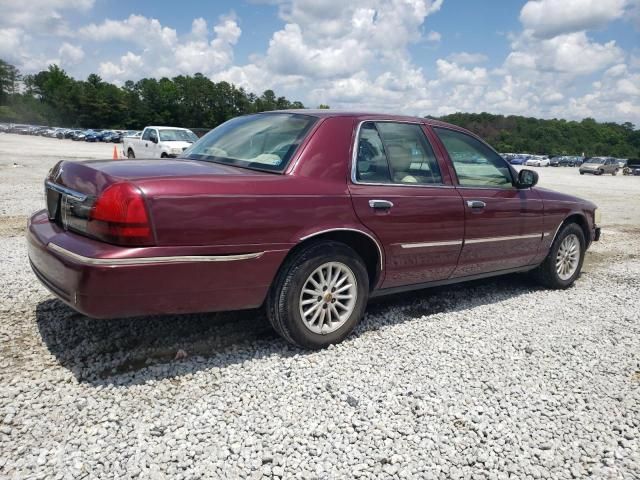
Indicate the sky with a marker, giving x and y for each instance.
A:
(544, 58)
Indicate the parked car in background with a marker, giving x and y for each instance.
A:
(519, 160)
(632, 167)
(94, 136)
(565, 161)
(80, 135)
(19, 129)
(112, 137)
(537, 161)
(158, 142)
(599, 166)
(307, 213)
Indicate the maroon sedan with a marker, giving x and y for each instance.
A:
(308, 213)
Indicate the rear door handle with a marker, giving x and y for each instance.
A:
(380, 204)
(476, 204)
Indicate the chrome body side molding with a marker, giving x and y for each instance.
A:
(503, 239)
(150, 260)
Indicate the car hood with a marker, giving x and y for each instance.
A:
(552, 195)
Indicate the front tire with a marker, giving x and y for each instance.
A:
(319, 295)
(564, 261)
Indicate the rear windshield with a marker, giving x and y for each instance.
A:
(177, 135)
(261, 142)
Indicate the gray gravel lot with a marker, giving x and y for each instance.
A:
(491, 379)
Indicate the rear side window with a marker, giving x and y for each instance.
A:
(371, 165)
(395, 153)
(475, 163)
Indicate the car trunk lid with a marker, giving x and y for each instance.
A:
(73, 188)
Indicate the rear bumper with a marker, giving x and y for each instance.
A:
(105, 281)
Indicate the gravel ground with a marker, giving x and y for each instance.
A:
(490, 379)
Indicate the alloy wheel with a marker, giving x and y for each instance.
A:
(328, 297)
(568, 257)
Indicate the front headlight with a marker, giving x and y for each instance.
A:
(597, 217)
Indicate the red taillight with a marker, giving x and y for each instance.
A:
(120, 216)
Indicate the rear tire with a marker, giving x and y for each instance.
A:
(130, 154)
(304, 318)
(564, 261)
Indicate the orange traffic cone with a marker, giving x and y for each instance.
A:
(115, 153)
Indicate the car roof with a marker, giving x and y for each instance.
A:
(161, 127)
(365, 115)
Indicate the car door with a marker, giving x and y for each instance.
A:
(401, 192)
(503, 225)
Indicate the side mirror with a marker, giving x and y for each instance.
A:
(153, 138)
(527, 178)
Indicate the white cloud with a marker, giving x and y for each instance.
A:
(548, 18)
(453, 73)
(572, 54)
(466, 58)
(70, 54)
(360, 46)
(434, 36)
(163, 52)
(42, 16)
(10, 42)
(143, 31)
(289, 54)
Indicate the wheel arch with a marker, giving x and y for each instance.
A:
(365, 244)
(581, 220)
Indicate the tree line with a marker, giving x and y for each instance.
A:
(52, 97)
(517, 134)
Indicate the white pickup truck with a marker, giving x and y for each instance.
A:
(158, 142)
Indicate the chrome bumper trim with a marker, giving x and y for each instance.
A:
(151, 260)
(66, 191)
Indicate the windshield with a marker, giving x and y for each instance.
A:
(262, 141)
(177, 136)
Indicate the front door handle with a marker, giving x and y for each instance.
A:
(479, 204)
(380, 204)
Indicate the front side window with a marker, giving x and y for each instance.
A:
(147, 134)
(396, 153)
(475, 163)
(261, 142)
